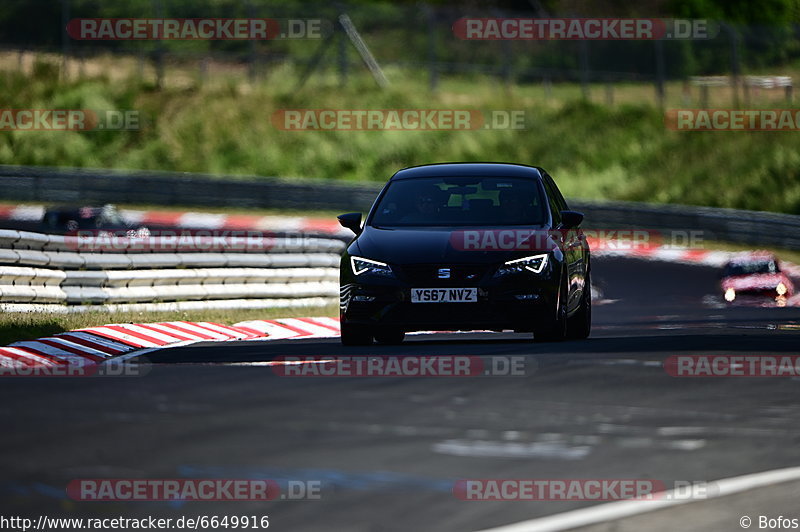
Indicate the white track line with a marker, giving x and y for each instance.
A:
(613, 511)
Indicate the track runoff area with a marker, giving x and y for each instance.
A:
(679, 410)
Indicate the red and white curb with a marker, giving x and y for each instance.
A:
(198, 220)
(122, 341)
(319, 327)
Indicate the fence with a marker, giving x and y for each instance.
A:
(429, 48)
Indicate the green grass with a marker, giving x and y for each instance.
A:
(595, 151)
(31, 325)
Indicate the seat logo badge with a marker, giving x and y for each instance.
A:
(444, 273)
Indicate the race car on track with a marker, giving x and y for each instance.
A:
(755, 277)
(105, 220)
(466, 246)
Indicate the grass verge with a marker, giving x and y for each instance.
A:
(594, 150)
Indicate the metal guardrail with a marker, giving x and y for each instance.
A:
(21, 183)
(82, 186)
(40, 268)
(727, 225)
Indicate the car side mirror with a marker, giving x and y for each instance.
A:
(352, 221)
(571, 219)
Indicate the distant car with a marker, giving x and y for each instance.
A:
(97, 220)
(755, 276)
(449, 247)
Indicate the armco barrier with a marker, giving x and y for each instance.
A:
(44, 269)
(729, 225)
(88, 186)
(95, 186)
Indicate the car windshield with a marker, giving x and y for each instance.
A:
(750, 268)
(460, 201)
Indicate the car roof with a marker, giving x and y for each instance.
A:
(72, 208)
(751, 257)
(469, 170)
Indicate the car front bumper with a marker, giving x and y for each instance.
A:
(521, 303)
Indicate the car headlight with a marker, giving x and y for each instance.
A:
(361, 265)
(535, 264)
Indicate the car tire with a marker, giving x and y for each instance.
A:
(579, 326)
(557, 331)
(390, 337)
(355, 334)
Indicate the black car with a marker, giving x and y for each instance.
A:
(106, 219)
(466, 246)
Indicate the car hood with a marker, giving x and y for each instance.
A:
(758, 281)
(433, 245)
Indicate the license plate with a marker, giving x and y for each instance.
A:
(444, 295)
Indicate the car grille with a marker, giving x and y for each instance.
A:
(460, 274)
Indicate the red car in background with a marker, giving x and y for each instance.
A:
(755, 277)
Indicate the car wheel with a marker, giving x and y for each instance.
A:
(355, 334)
(557, 331)
(390, 337)
(579, 326)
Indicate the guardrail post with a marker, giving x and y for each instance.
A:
(433, 79)
(341, 44)
(733, 37)
(252, 55)
(65, 41)
(584, 60)
(660, 73)
(158, 55)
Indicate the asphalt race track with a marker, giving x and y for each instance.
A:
(388, 450)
